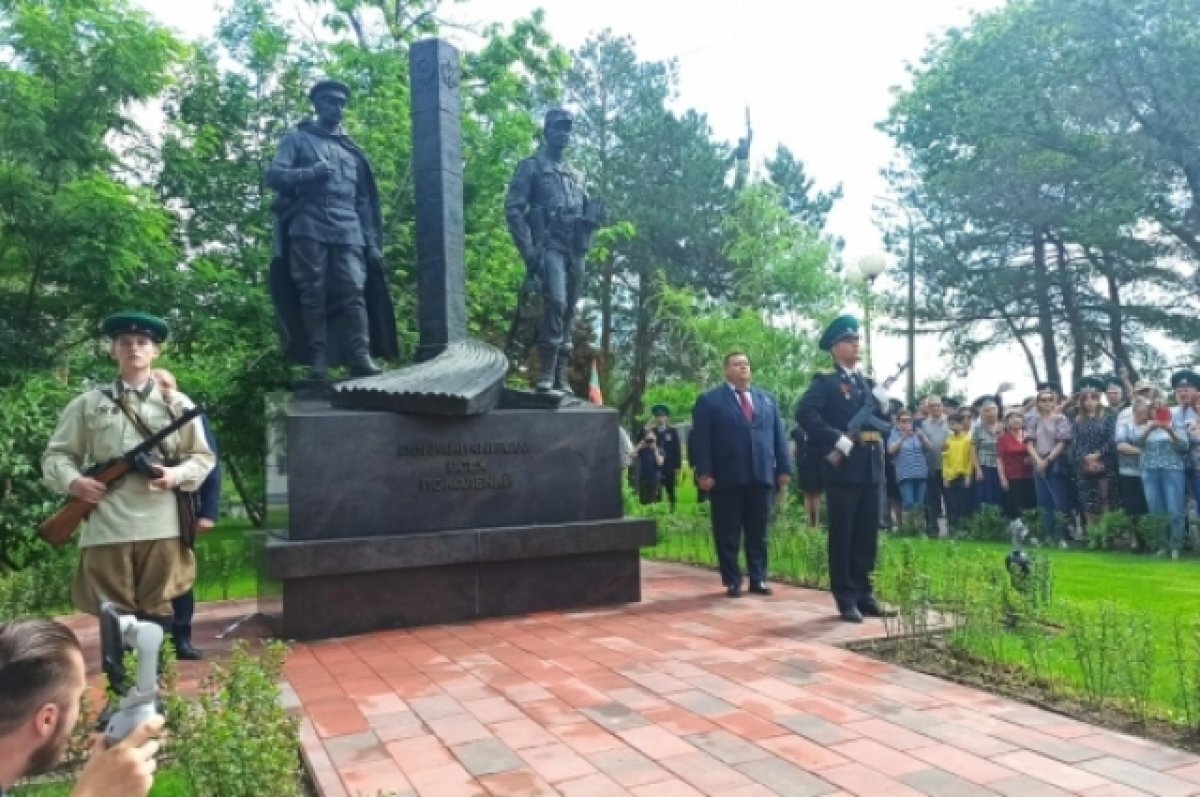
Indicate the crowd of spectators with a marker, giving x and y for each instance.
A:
(1111, 445)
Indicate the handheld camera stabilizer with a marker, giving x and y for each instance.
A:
(138, 701)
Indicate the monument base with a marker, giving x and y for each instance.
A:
(335, 588)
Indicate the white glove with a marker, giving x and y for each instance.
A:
(882, 399)
(844, 444)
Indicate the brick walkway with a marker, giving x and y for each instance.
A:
(687, 693)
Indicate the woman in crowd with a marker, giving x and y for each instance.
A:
(1048, 439)
(907, 449)
(983, 447)
(1129, 464)
(1092, 449)
(1164, 451)
(1014, 468)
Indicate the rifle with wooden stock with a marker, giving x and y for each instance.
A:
(58, 528)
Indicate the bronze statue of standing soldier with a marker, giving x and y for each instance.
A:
(551, 219)
(327, 271)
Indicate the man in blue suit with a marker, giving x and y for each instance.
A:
(739, 450)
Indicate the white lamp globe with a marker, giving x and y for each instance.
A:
(871, 266)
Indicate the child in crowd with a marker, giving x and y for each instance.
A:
(957, 471)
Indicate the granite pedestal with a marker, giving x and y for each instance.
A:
(400, 520)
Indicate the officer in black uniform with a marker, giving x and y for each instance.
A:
(668, 441)
(853, 469)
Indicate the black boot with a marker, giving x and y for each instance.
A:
(360, 346)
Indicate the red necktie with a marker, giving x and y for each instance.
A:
(747, 409)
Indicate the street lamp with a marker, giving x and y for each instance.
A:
(867, 268)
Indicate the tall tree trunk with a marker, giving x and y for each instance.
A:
(1020, 339)
(607, 279)
(254, 505)
(1066, 284)
(639, 370)
(1041, 286)
(1116, 317)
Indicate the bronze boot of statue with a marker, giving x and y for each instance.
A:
(546, 362)
(360, 345)
(314, 327)
(561, 365)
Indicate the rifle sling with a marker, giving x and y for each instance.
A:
(140, 424)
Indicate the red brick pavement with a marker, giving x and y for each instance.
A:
(688, 693)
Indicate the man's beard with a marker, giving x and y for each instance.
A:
(50, 754)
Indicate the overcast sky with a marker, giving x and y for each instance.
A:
(817, 75)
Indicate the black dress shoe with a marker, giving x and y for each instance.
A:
(760, 589)
(185, 652)
(871, 608)
(850, 614)
(733, 590)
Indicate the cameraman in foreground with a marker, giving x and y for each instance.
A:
(42, 678)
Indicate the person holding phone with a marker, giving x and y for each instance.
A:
(1164, 451)
(650, 460)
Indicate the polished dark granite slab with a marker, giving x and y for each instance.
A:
(343, 587)
(290, 558)
(371, 474)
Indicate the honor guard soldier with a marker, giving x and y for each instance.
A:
(668, 441)
(844, 416)
(131, 551)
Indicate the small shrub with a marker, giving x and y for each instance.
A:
(1095, 636)
(1109, 529)
(1155, 530)
(987, 524)
(236, 740)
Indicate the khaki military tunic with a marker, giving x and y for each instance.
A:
(92, 430)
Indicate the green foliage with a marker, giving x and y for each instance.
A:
(29, 410)
(76, 240)
(236, 740)
(1048, 181)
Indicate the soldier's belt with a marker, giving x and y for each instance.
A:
(870, 437)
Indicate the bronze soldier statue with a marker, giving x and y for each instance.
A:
(551, 220)
(327, 280)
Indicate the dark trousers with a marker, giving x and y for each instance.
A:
(738, 511)
(1020, 497)
(933, 501)
(958, 503)
(853, 539)
(562, 278)
(668, 485)
(184, 607)
(330, 277)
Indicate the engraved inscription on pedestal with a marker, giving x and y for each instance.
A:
(397, 474)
